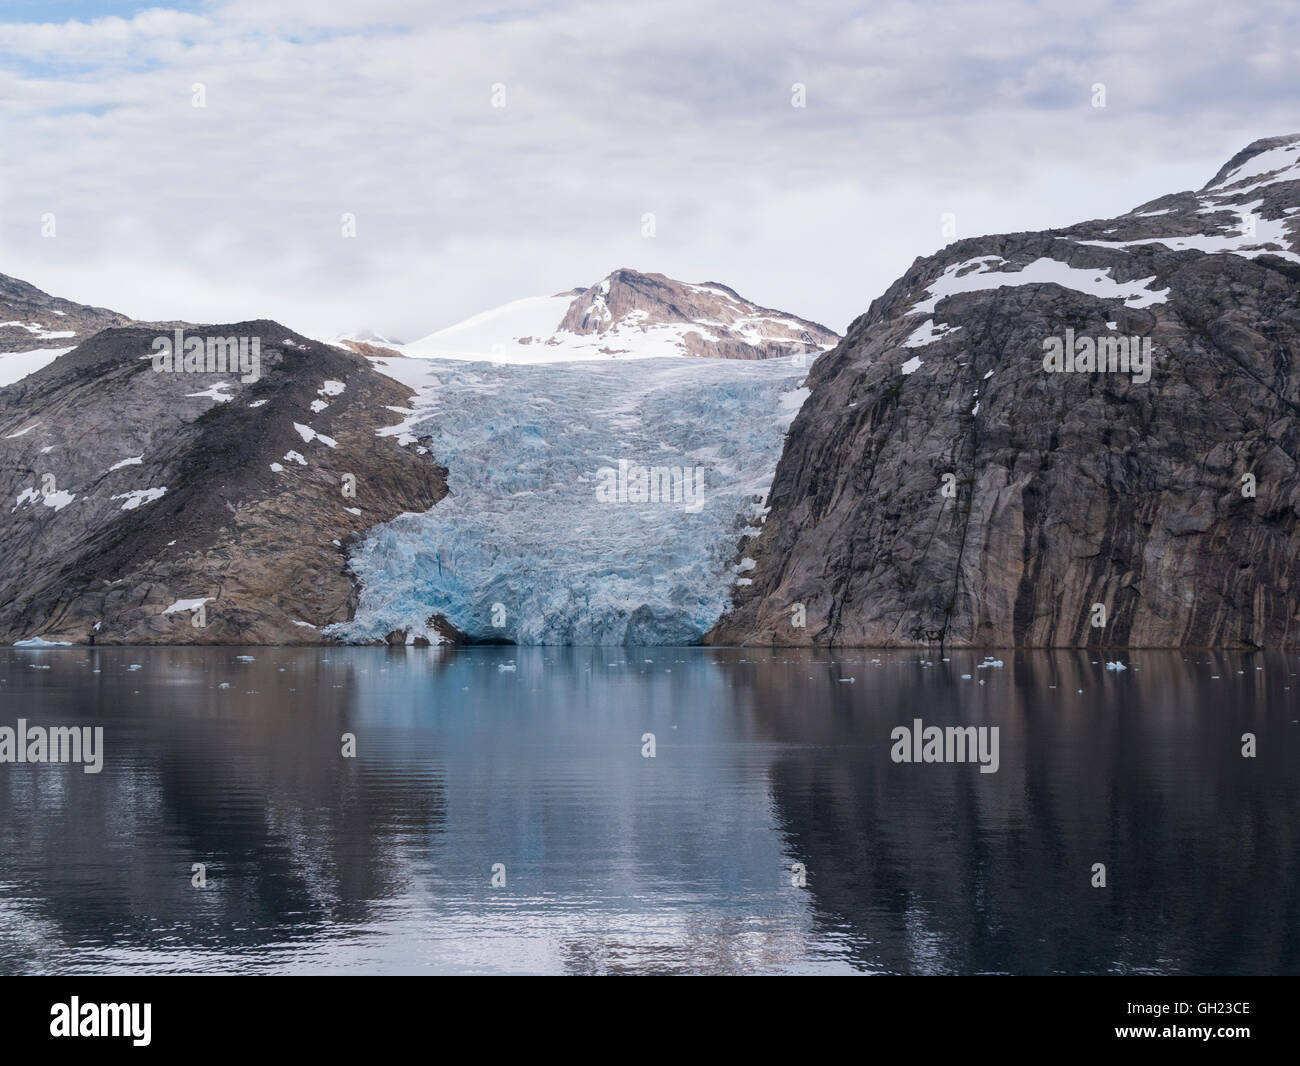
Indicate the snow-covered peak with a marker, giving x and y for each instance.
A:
(1263, 162)
(627, 315)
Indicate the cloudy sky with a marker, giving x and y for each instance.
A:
(681, 109)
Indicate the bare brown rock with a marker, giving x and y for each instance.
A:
(941, 483)
(254, 520)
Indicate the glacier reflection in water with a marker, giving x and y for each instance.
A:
(619, 863)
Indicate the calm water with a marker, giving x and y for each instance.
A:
(679, 863)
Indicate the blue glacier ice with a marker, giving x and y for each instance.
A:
(524, 550)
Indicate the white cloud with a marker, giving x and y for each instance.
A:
(678, 109)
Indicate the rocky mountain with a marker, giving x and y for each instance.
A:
(142, 504)
(1080, 437)
(31, 319)
(628, 315)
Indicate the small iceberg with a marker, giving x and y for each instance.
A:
(1117, 665)
(37, 642)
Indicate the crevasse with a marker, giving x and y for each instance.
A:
(523, 550)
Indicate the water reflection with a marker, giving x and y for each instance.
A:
(532, 758)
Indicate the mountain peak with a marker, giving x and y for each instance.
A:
(31, 319)
(1029, 431)
(1270, 158)
(712, 319)
(629, 314)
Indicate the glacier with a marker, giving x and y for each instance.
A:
(522, 550)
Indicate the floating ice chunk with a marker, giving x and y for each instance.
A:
(1116, 666)
(41, 642)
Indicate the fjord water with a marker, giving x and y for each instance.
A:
(680, 863)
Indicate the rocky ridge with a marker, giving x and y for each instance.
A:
(148, 507)
(954, 477)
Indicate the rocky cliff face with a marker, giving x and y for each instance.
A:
(136, 503)
(964, 469)
(711, 319)
(31, 319)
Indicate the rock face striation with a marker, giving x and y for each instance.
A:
(982, 461)
(145, 506)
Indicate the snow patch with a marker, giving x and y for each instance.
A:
(977, 275)
(187, 605)
(308, 434)
(14, 366)
(213, 392)
(139, 497)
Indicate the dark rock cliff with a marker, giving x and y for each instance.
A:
(130, 496)
(963, 470)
